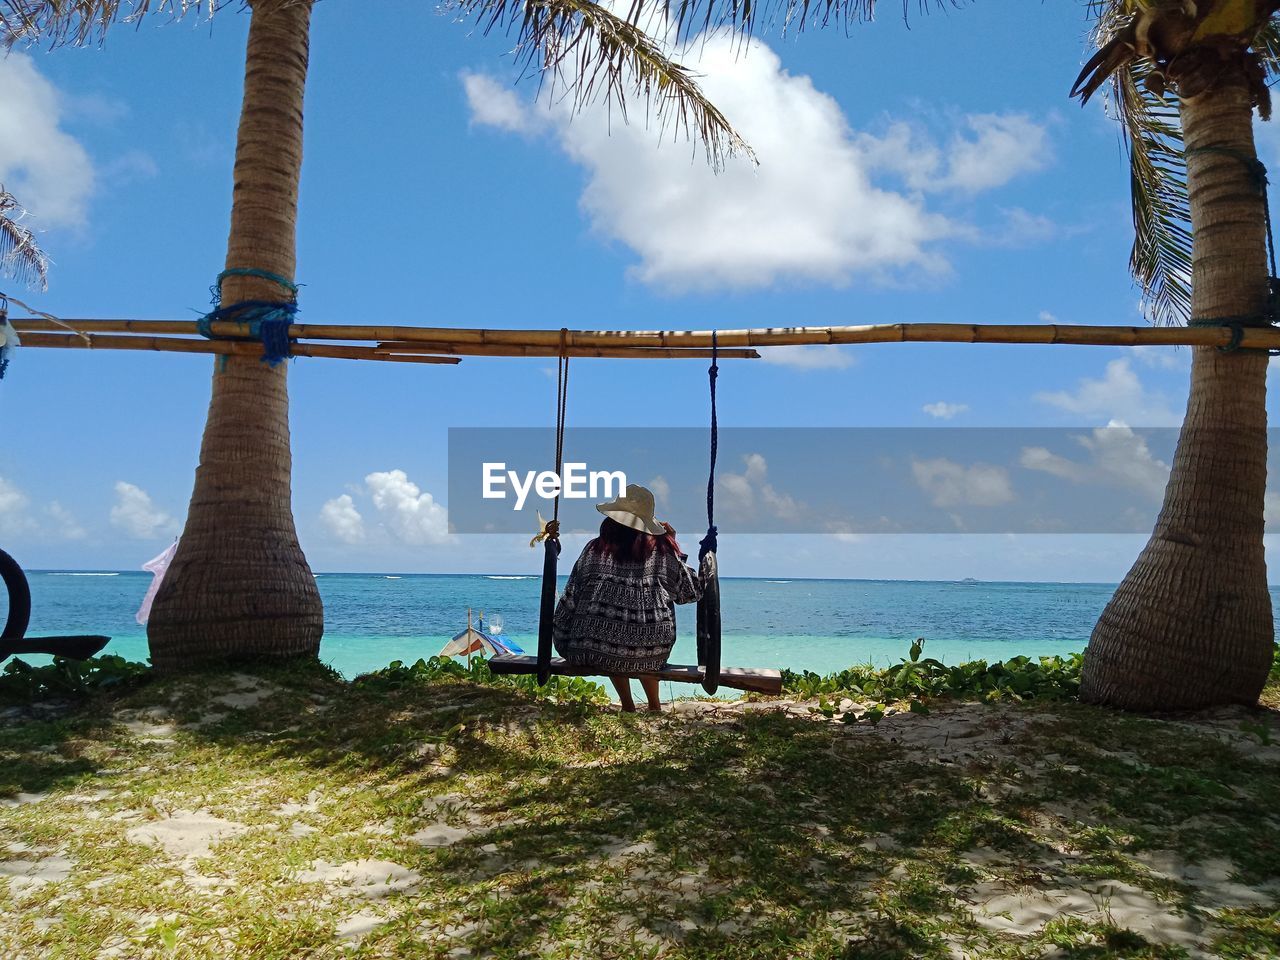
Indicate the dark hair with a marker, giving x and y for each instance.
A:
(622, 543)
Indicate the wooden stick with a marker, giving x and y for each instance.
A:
(1083, 335)
(516, 350)
(242, 348)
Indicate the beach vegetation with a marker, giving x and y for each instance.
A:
(20, 682)
(565, 690)
(284, 812)
(916, 679)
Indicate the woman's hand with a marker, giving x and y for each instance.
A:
(670, 537)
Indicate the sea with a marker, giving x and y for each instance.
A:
(820, 625)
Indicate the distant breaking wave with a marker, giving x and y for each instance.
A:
(392, 578)
(488, 577)
(83, 574)
(777, 581)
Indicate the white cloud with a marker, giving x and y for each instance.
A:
(15, 516)
(1117, 456)
(1119, 395)
(750, 490)
(1164, 358)
(342, 519)
(809, 357)
(139, 518)
(65, 525)
(96, 108)
(1022, 228)
(1002, 146)
(130, 165)
(20, 518)
(843, 532)
(43, 166)
(661, 491)
(1271, 507)
(408, 513)
(1047, 317)
(995, 149)
(809, 213)
(495, 105)
(943, 410)
(950, 484)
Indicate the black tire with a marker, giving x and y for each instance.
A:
(547, 609)
(15, 582)
(709, 630)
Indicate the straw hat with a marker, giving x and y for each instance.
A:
(633, 509)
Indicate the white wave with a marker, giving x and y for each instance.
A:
(487, 577)
(777, 581)
(393, 578)
(83, 574)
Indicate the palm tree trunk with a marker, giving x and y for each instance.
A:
(1191, 623)
(239, 585)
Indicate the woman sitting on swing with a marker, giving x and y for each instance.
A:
(617, 614)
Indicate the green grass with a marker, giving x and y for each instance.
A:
(582, 832)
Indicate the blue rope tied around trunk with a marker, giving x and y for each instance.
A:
(1258, 174)
(267, 320)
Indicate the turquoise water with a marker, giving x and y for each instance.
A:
(820, 625)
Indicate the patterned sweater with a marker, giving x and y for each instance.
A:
(619, 615)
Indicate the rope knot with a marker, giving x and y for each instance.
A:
(708, 544)
(267, 320)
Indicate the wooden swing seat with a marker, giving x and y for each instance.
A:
(738, 678)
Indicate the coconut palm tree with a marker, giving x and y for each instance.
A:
(1191, 623)
(239, 584)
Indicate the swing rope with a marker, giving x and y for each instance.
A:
(708, 543)
(550, 532)
(709, 603)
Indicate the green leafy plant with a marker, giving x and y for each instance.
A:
(918, 678)
(437, 669)
(22, 683)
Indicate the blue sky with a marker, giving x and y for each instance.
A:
(936, 172)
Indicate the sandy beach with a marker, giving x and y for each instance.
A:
(287, 814)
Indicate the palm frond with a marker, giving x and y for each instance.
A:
(1267, 46)
(84, 21)
(1161, 256)
(21, 258)
(1160, 259)
(583, 53)
(692, 17)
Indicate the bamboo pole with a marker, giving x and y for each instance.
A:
(224, 347)
(1080, 335)
(516, 350)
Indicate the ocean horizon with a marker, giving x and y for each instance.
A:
(800, 623)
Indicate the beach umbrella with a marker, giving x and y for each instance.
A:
(470, 641)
